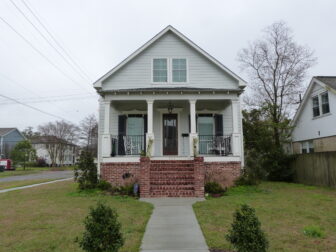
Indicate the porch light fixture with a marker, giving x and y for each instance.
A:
(170, 107)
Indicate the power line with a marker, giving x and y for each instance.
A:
(47, 40)
(54, 39)
(40, 53)
(29, 106)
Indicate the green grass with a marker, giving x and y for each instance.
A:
(32, 170)
(12, 184)
(285, 211)
(49, 217)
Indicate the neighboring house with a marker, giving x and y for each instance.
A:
(171, 100)
(315, 120)
(9, 137)
(54, 149)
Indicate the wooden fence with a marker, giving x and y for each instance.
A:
(316, 169)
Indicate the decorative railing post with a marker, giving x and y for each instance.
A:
(144, 177)
(199, 176)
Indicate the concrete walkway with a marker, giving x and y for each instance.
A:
(40, 175)
(33, 185)
(173, 227)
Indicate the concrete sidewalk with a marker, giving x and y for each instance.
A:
(173, 227)
(40, 175)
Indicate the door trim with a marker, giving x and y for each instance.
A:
(177, 134)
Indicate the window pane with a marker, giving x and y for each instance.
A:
(316, 108)
(160, 71)
(135, 126)
(325, 103)
(311, 147)
(179, 70)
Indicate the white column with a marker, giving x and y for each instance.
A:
(150, 133)
(106, 138)
(193, 134)
(236, 134)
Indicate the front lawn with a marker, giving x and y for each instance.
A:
(12, 184)
(284, 211)
(32, 170)
(49, 217)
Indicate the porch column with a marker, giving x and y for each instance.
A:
(193, 134)
(106, 138)
(236, 134)
(150, 134)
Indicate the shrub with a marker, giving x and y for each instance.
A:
(245, 234)
(313, 231)
(104, 185)
(245, 180)
(86, 172)
(41, 162)
(213, 188)
(102, 230)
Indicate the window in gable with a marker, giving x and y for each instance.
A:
(160, 70)
(316, 106)
(325, 103)
(179, 67)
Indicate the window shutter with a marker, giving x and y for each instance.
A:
(121, 134)
(219, 125)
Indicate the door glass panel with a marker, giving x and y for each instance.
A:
(205, 131)
(170, 134)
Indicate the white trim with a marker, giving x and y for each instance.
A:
(98, 83)
(121, 159)
(222, 159)
(134, 112)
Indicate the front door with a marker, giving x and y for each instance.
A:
(170, 134)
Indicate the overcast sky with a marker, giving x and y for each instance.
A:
(98, 34)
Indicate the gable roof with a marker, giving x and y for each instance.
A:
(49, 140)
(6, 131)
(98, 84)
(328, 82)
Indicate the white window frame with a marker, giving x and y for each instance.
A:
(171, 71)
(319, 97)
(152, 70)
(319, 105)
(326, 92)
(306, 144)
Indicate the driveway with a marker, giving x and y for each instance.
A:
(173, 227)
(41, 175)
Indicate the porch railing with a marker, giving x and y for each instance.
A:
(128, 145)
(215, 145)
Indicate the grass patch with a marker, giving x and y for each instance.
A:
(32, 170)
(12, 184)
(49, 217)
(285, 211)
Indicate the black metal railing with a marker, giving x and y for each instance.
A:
(128, 145)
(215, 145)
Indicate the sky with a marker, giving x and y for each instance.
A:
(50, 62)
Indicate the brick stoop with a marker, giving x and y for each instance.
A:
(172, 178)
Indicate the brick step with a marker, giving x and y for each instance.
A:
(171, 187)
(171, 182)
(172, 161)
(171, 169)
(179, 193)
(171, 177)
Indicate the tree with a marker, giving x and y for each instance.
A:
(245, 234)
(23, 152)
(61, 135)
(277, 67)
(89, 133)
(102, 230)
(86, 173)
(29, 132)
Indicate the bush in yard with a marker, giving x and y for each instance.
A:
(213, 188)
(104, 185)
(41, 162)
(314, 231)
(245, 234)
(86, 172)
(102, 230)
(22, 153)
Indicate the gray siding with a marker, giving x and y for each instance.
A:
(9, 142)
(138, 72)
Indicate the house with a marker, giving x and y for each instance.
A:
(173, 102)
(314, 124)
(55, 151)
(9, 137)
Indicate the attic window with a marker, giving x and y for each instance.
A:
(325, 103)
(179, 70)
(316, 106)
(160, 70)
